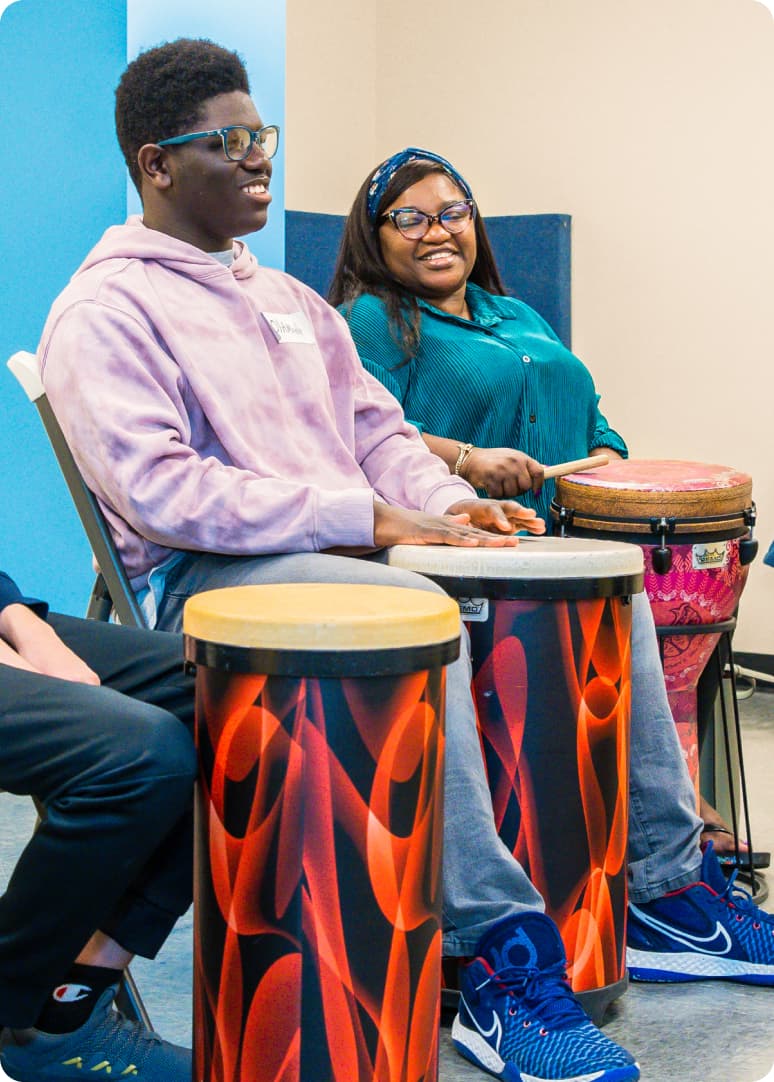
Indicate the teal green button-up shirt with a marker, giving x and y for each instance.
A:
(500, 379)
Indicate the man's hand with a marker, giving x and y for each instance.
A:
(31, 644)
(502, 471)
(501, 516)
(395, 526)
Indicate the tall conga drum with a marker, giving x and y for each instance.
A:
(317, 901)
(693, 522)
(550, 629)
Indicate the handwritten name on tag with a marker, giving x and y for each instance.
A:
(290, 327)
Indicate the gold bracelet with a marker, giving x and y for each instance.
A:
(462, 457)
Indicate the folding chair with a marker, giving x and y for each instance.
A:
(112, 591)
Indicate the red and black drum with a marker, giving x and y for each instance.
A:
(693, 521)
(550, 628)
(317, 915)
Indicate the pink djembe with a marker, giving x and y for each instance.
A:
(692, 521)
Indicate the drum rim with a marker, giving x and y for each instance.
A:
(728, 524)
(577, 588)
(369, 662)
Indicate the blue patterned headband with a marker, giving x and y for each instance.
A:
(388, 169)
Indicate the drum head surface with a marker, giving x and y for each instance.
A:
(639, 489)
(533, 558)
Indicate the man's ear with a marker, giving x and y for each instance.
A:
(153, 163)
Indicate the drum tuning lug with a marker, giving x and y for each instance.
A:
(566, 515)
(748, 546)
(748, 550)
(662, 559)
(662, 556)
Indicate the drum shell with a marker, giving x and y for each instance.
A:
(318, 874)
(707, 520)
(551, 678)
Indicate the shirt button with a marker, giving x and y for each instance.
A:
(526, 359)
(532, 418)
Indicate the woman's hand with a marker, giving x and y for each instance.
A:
(30, 643)
(396, 526)
(500, 516)
(502, 471)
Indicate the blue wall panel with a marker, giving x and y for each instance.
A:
(60, 61)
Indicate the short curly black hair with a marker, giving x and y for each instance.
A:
(162, 91)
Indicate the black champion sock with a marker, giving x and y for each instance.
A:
(74, 998)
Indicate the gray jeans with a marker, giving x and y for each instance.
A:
(482, 881)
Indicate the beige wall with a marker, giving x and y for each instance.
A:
(651, 122)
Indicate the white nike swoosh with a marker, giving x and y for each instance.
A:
(496, 1026)
(719, 942)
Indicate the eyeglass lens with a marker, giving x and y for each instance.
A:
(239, 142)
(413, 224)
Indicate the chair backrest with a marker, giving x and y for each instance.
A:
(112, 590)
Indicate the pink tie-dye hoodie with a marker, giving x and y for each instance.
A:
(223, 409)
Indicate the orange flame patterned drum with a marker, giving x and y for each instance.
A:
(550, 628)
(693, 522)
(317, 914)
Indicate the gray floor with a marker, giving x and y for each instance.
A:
(707, 1032)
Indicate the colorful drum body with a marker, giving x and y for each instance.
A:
(550, 628)
(317, 914)
(692, 521)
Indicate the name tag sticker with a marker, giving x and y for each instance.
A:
(713, 554)
(474, 608)
(290, 327)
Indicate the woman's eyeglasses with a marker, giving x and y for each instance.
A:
(413, 224)
(238, 141)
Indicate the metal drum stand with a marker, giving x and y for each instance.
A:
(725, 629)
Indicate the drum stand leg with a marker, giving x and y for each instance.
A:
(744, 860)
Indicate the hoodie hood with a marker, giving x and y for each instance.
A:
(134, 240)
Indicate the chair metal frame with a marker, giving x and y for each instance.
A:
(112, 591)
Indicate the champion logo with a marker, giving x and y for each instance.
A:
(718, 942)
(71, 993)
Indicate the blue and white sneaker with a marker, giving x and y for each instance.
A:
(709, 929)
(107, 1044)
(518, 1018)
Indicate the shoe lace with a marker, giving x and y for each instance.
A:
(545, 992)
(738, 898)
(123, 1037)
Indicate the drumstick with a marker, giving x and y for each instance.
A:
(562, 468)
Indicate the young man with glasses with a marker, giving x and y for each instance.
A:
(95, 722)
(231, 434)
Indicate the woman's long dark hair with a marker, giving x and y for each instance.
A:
(360, 267)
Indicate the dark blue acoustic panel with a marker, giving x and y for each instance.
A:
(532, 252)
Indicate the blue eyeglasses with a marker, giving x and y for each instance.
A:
(238, 140)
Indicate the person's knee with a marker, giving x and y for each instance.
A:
(152, 762)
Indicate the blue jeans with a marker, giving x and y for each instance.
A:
(482, 881)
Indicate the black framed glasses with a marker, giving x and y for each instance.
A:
(413, 224)
(238, 140)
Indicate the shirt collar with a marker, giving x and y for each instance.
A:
(486, 309)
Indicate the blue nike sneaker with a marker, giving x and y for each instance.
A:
(709, 929)
(106, 1044)
(518, 1018)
